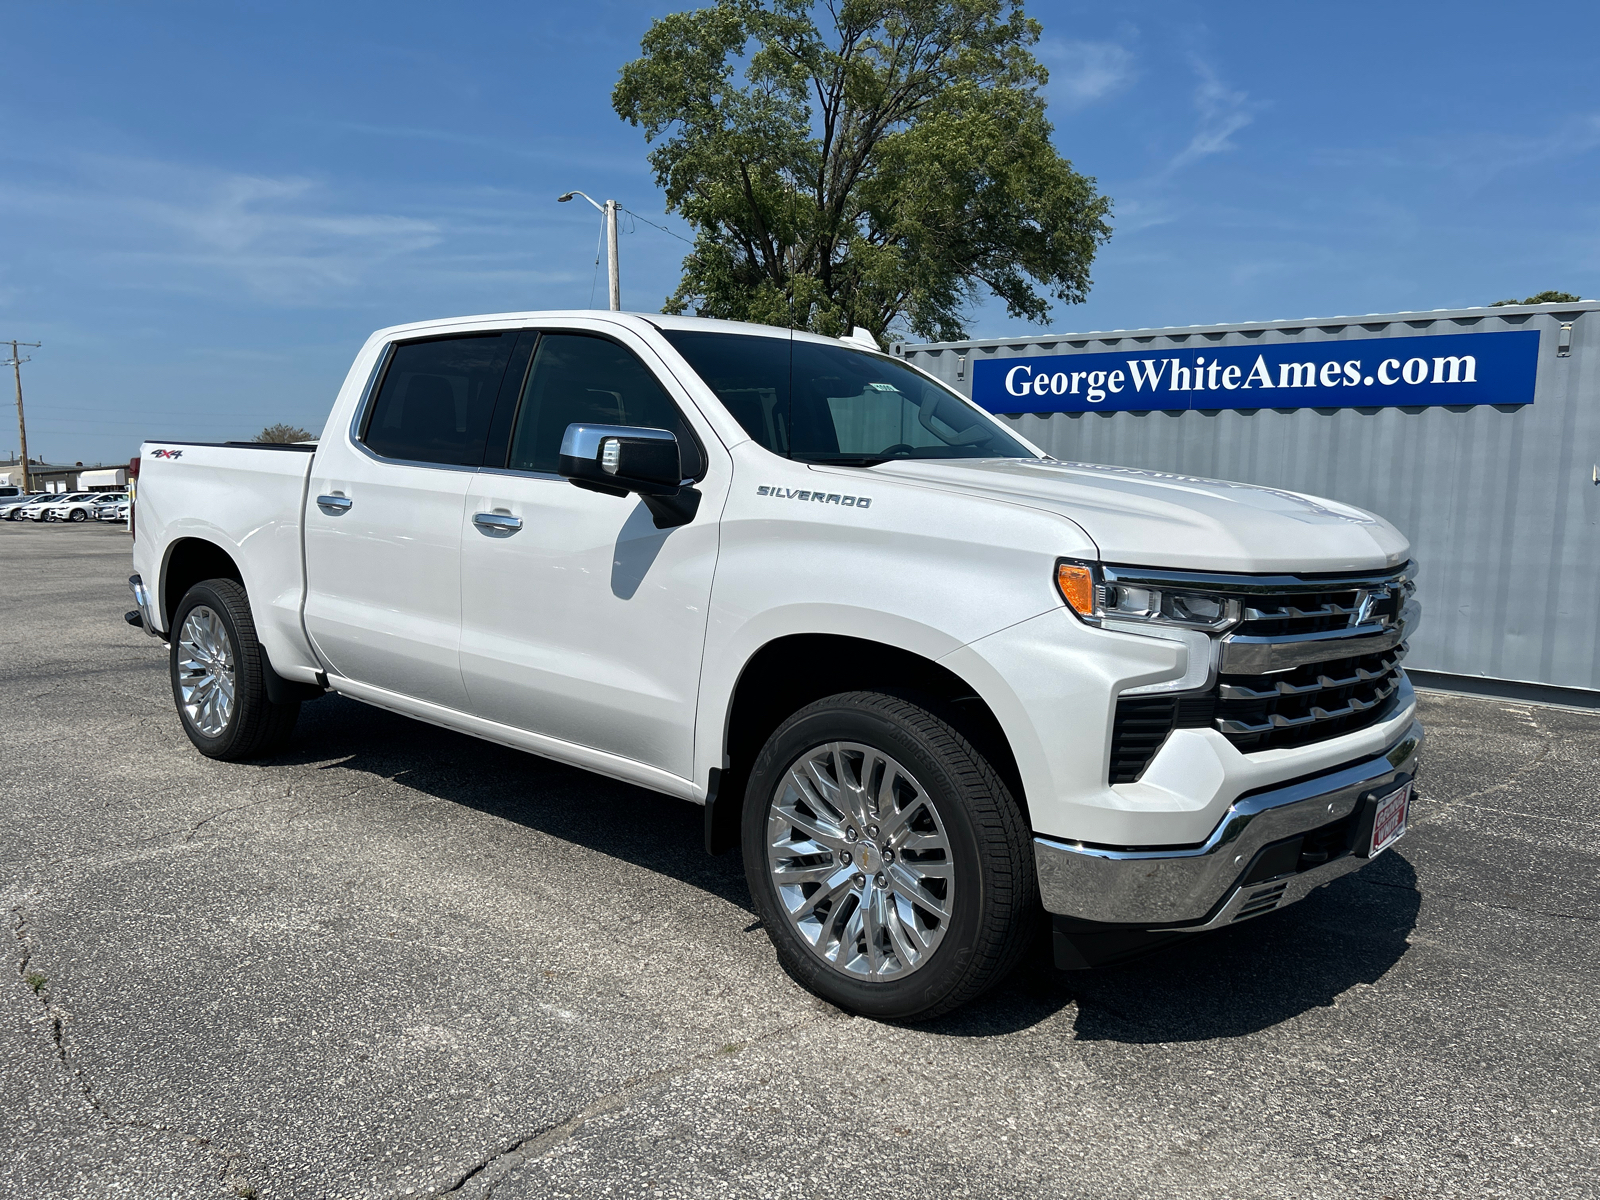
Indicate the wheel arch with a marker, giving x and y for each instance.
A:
(189, 560)
(791, 671)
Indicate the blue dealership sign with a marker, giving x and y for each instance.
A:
(1456, 368)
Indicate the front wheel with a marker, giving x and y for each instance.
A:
(79, 515)
(218, 675)
(890, 864)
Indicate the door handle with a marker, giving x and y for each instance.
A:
(497, 522)
(334, 505)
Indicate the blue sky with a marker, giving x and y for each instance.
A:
(206, 208)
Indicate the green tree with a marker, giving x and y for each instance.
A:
(1542, 298)
(284, 433)
(879, 172)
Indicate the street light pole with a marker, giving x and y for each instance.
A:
(22, 425)
(613, 270)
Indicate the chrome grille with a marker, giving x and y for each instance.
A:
(1308, 703)
(1313, 657)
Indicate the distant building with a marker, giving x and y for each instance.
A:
(56, 477)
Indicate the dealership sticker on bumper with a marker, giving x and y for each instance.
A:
(1389, 822)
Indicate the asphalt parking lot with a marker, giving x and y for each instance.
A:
(399, 962)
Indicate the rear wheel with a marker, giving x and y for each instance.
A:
(891, 866)
(218, 676)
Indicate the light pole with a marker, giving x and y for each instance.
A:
(612, 271)
(15, 363)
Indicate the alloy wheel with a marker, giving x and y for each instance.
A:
(861, 862)
(206, 671)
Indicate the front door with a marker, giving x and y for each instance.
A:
(580, 619)
(383, 518)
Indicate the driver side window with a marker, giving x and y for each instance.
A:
(580, 378)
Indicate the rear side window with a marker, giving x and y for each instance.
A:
(580, 379)
(436, 398)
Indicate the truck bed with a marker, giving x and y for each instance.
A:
(247, 497)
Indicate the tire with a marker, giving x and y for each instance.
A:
(214, 638)
(78, 514)
(946, 845)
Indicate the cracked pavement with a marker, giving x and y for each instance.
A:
(396, 962)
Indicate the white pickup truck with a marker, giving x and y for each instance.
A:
(930, 680)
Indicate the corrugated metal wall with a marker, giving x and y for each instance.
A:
(1500, 505)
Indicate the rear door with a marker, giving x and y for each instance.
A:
(383, 518)
(585, 622)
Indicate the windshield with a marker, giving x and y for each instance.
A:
(831, 404)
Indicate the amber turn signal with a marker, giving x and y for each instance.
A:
(1077, 588)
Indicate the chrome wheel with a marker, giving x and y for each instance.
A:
(205, 671)
(861, 862)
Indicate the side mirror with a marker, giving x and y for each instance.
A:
(615, 460)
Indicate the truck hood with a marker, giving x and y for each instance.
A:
(1162, 519)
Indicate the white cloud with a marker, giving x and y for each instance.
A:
(1222, 111)
(1479, 156)
(184, 228)
(1083, 72)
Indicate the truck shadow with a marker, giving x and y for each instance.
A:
(649, 830)
(1229, 983)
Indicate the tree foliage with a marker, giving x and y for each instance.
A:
(284, 433)
(1542, 298)
(881, 171)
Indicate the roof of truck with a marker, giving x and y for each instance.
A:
(657, 321)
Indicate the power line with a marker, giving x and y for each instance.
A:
(598, 242)
(651, 223)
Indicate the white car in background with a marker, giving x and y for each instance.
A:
(104, 500)
(73, 507)
(34, 509)
(112, 508)
(10, 504)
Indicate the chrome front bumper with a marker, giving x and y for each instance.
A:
(1194, 888)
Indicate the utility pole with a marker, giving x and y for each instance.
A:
(22, 425)
(613, 270)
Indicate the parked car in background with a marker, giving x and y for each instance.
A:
(33, 510)
(10, 504)
(72, 507)
(113, 508)
(105, 500)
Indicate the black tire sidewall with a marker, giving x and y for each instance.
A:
(947, 971)
(246, 675)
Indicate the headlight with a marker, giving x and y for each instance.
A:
(1096, 594)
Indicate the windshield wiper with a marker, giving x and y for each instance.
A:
(855, 460)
